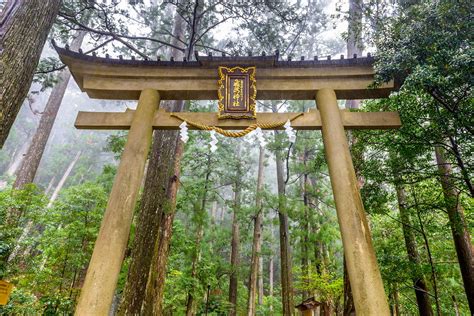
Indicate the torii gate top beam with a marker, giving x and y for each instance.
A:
(119, 79)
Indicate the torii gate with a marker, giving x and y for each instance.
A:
(152, 81)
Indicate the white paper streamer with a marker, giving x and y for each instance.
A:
(183, 132)
(213, 141)
(290, 132)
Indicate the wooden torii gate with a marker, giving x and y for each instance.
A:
(152, 81)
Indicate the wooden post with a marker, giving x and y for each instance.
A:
(308, 312)
(364, 275)
(104, 267)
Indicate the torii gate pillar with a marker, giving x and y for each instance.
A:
(104, 267)
(364, 275)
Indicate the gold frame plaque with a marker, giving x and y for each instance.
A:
(237, 91)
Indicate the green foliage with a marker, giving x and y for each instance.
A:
(430, 47)
(57, 248)
(47, 72)
(328, 286)
(19, 207)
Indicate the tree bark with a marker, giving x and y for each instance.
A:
(260, 275)
(154, 201)
(24, 27)
(419, 283)
(285, 251)
(461, 237)
(157, 200)
(271, 270)
(30, 163)
(157, 272)
(199, 210)
(234, 258)
(305, 225)
(235, 244)
(255, 275)
(396, 302)
(191, 301)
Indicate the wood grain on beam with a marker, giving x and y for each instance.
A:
(206, 89)
(309, 121)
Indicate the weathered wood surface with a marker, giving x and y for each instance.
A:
(109, 249)
(106, 78)
(309, 121)
(364, 274)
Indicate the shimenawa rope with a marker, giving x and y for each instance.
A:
(235, 134)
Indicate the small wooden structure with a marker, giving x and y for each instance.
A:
(308, 306)
(151, 81)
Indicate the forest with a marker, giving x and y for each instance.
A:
(237, 225)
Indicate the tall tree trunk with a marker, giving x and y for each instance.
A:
(195, 24)
(24, 27)
(461, 165)
(50, 186)
(157, 273)
(191, 300)
(154, 202)
(257, 240)
(200, 211)
(235, 244)
(396, 302)
(30, 163)
(421, 289)
(305, 226)
(455, 303)
(461, 237)
(430, 257)
(234, 258)
(285, 251)
(65, 176)
(271, 270)
(354, 38)
(158, 196)
(260, 274)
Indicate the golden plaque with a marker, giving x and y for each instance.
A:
(236, 92)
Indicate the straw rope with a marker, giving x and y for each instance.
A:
(244, 132)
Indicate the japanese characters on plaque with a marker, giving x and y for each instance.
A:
(236, 92)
